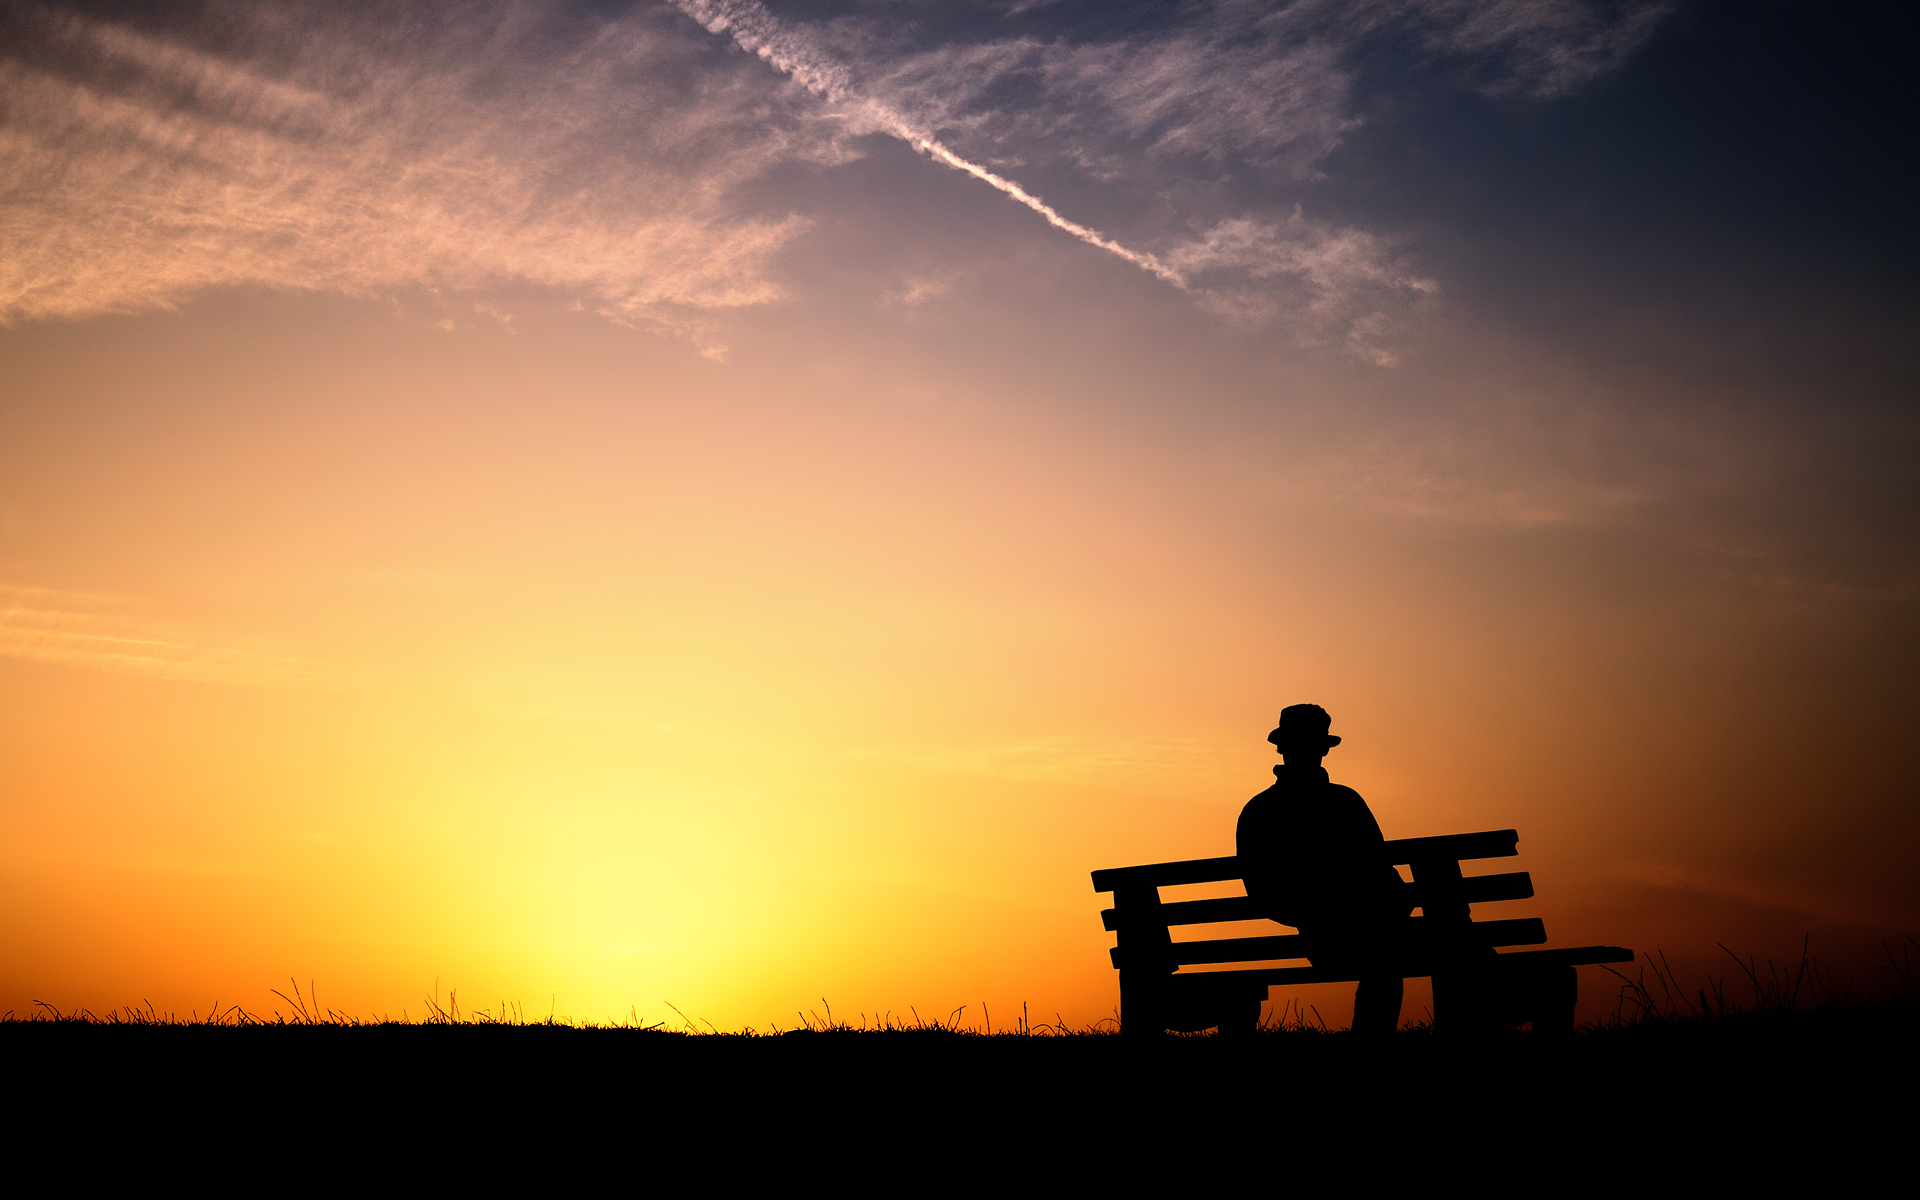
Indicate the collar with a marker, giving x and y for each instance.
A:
(1301, 774)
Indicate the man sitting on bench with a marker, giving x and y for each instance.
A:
(1312, 855)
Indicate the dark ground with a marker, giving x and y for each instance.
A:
(1770, 1098)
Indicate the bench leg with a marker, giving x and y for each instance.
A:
(1376, 1005)
(1555, 992)
(1142, 1004)
(1463, 1004)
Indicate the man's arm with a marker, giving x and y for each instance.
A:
(1353, 822)
(1260, 842)
(1363, 841)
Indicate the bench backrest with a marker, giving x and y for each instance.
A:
(1439, 890)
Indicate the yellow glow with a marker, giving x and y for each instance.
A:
(603, 702)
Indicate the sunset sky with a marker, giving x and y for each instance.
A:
(608, 505)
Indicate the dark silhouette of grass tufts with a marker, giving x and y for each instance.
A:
(1775, 993)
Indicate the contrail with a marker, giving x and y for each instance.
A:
(757, 30)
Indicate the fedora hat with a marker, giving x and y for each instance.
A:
(1303, 723)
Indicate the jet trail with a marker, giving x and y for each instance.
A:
(757, 30)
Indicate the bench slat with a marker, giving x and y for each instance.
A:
(1276, 976)
(1525, 931)
(1485, 889)
(1191, 912)
(1194, 870)
(1251, 949)
(1477, 889)
(1496, 843)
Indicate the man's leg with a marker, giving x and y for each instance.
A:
(1376, 1001)
(1376, 1004)
(1373, 946)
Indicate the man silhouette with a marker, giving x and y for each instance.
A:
(1314, 858)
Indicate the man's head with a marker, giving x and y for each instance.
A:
(1302, 736)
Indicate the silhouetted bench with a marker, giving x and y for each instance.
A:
(1474, 987)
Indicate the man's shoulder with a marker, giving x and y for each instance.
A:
(1260, 803)
(1273, 791)
(1349, 810)
(1264, 810)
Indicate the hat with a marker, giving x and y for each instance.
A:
(1303, 723)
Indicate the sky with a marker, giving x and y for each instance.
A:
(707, 510)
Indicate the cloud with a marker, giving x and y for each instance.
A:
(316, 153)
(1769, 893)
(917, 290)
(456, 148)
(1232, 87)
(754, 29)
(1143, 85)
(98, 633)
(1106, 105)
(1533, 48)
(1229, 81)
(1340, 276)
(1444, 484)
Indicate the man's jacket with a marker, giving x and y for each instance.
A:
(1313, 856)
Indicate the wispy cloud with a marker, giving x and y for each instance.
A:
(754, 29)
(1534, 48)
(918, 290)
(1231, 82)
(316, 153)
(103, 633)
(1143, 85)
(1769, 893)
(1340, 276)
(1109, 107)
(1230, 86)
(454, 148)
(1444, 484)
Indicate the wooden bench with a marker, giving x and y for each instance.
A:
(1474, 986)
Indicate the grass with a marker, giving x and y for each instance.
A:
(1776, 990)
(1804, 990)
(1768, 1068)
(307, 1011)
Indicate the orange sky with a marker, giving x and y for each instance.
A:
(811, 624)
